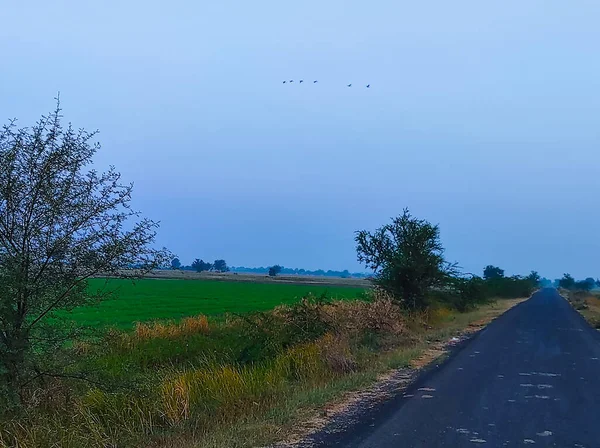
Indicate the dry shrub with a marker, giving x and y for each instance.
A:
(336, 353)
(172, 330)
(381, 315)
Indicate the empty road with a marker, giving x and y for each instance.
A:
(531, 378)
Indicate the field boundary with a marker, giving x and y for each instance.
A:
(175, 274)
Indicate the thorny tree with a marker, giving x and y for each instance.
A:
(61, 222)
(407, 257)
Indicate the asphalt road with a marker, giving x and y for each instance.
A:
(531, 378)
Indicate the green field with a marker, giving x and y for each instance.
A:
(150, 299)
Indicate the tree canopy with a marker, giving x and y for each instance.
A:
(61, 222)
(490, 272)
(407, 257)
(274, 270)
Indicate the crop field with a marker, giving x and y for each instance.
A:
(151, 299)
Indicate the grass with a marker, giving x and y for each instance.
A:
(236, 383)
(151, 299)
(587, 303)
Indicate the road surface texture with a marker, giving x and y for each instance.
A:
(531, 378)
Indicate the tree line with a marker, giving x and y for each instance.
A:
(200, 265)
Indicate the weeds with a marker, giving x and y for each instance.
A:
(192, 379)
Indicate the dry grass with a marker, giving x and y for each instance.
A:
(246, 405)
(171, 330)
(587, 303)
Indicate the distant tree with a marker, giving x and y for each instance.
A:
(534, 278)
(274, 270)
(345, 273)
(545, 282)
(407, 257)
(583, 285)
(61, 223)
(490, 272)
(220, 266)
(175, 263)
(567, 282)
(591, 283)
(201, 266)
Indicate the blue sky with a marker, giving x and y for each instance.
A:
(481, 116)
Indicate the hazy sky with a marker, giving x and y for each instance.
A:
(482, 116)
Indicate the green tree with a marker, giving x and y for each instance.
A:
(567, 282)
(61, 222)
(274, 270)
(201, 266)
(582, 285)
(490, 272)
(534, 278)
(220, 266)
(175, 263)
(591, 283)
(407, 257)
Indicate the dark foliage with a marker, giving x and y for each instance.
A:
(220, 266)
(201, 266)
(407, 257)
(567, 282)
(274, 270)
(490, 272)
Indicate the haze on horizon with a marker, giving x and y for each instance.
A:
(480, 117)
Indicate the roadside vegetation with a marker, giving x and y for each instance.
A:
(80, 367)
(584, 296)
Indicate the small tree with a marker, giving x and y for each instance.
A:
(491, 272)
(220, 266)
(567, 282)
(201, 266)
(175, 263)
(274, 270)
(407, 257)
(61, 222)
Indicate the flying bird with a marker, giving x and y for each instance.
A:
(349, 85)
(291, 80)
(284, 82)
(368, 85)
(314, 82)
(301, 81)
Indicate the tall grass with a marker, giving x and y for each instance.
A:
(190, 379)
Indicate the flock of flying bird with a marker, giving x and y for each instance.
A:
(314, 82)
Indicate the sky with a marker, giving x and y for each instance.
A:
(482, 117)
